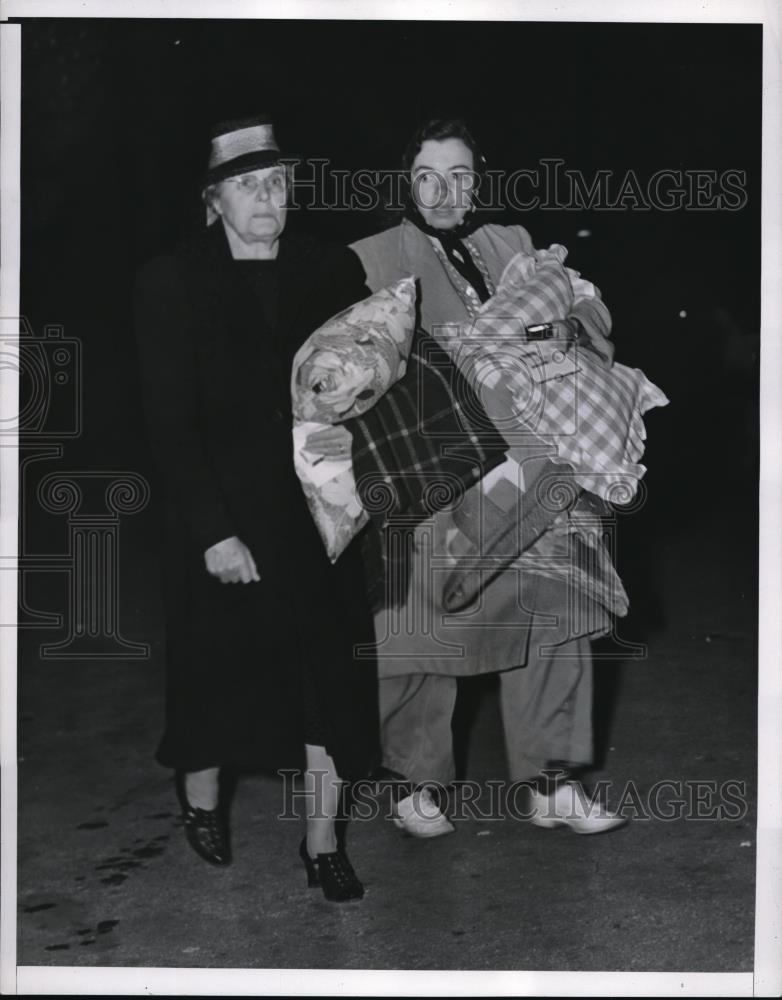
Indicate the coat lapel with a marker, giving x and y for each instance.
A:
(238, 344)
(441, 303)
(228, 304)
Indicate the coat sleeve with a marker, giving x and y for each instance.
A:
(379, 255)
(349, 280)
(169, 385)
(592, 313)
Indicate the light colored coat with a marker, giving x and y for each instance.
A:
(405, 250)
(493, 635)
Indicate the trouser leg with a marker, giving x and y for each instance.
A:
(415, 726)
(546, 709)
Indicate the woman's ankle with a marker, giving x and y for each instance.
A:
(321, 838)
(202, 788)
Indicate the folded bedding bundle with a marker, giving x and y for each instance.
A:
(565, 396)
(442, 425)
(590, 413)
(425, 442)
(420, 435)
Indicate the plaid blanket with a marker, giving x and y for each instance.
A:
(589, 413)
(424, 442)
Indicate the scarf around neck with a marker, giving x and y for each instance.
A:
(451, 240)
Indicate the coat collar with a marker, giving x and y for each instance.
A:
(211, 254)
(440, 300)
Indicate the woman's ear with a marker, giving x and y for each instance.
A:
(213, 210)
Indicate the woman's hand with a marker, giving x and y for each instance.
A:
(331, 442)
(567, 329)
(231, 562)
(571, 331)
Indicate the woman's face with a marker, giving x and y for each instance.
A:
(253, 205)
(443, 178)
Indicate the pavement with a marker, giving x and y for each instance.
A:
(106, 878)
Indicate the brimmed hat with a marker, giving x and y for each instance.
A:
(240, 146)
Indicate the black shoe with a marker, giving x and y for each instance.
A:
(333, 873)
(207, 834)
(206, 830)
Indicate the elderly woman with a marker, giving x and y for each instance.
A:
(523, 625)
(260, 626)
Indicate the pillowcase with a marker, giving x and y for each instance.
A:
(340, 371)
(346, 365)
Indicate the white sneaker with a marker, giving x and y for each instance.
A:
(419, 815)
(570, 806)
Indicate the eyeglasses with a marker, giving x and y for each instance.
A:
(249, 184)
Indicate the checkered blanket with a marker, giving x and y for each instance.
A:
(424, 442)
(562, 392)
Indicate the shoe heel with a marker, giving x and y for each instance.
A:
(313, 879)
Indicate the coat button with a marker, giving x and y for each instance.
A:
(277, 416)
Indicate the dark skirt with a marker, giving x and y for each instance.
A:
(255, 671)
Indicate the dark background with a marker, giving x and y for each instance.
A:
(115, 122)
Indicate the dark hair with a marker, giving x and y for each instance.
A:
(438, 130)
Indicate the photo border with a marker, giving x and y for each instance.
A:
(766, 980)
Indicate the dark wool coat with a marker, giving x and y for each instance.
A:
(248, 663)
